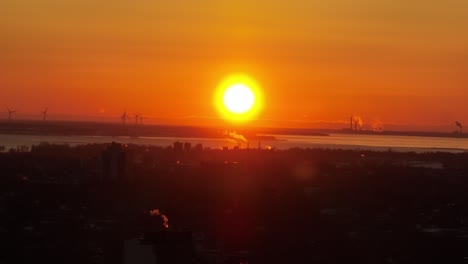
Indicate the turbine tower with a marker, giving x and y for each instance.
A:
(136, 116)
(459, 127)
(10, 113)
(141, 119)
(124, 118)
(44, 113)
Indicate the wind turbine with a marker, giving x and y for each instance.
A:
(141, 119)
(124, 118)
(10, 113)
(459, 127)
(136, 116)
(44, 113)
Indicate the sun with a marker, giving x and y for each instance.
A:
(238, 98)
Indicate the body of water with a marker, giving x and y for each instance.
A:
(334, 141)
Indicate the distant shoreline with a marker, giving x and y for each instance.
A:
(403, 133)
(70, 128)
(77, 128)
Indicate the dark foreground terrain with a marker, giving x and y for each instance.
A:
(185, 204)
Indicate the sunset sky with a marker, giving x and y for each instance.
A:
(402, 62)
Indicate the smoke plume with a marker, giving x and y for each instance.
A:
(155, 212)
(377, 126)
(235, 137)
(356, 123)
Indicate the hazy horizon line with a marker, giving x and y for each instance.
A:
(300, 124)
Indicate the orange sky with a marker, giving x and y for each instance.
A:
(318, 61)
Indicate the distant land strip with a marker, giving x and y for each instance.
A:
(76, 128)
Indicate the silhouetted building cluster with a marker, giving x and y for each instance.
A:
(231, 206)
(186, 146)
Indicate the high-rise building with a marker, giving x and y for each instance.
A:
(187, 146)
(198, 147)
(178, 146)
(174, 247)
(161, 247)
(114, 163)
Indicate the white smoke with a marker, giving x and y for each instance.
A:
(155, 212)
(377, 126)
(235, 137)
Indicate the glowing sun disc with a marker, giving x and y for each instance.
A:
(238, 98)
